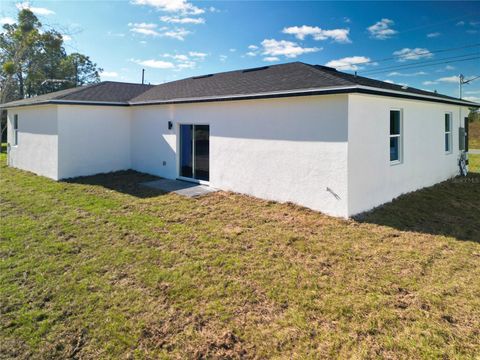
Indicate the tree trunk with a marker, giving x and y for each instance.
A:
(21, 91)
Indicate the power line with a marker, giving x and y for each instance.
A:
(419, 64)
(463, 82)
(440, 63)
(406, 56)
(463, 17)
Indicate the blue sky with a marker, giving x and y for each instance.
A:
(173, 39)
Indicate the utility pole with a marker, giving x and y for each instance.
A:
(143, 76)
(461, 78)
(463, 81)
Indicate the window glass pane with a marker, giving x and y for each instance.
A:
(447, 122)
(15, 122)
(394, 149)
(447, 142)
(186, 150)
(394, 122)
(201, 138)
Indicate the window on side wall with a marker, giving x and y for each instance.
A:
(396, 140)
(15, 130)
(448, 133)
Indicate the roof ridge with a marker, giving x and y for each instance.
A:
(124, 82)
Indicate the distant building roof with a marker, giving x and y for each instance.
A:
(291, 79)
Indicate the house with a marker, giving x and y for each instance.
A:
(334, 142)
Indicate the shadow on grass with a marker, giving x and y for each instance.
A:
(451, 208)
(126, 182)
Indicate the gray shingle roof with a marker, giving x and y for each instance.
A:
(275, 80)
(106, 91)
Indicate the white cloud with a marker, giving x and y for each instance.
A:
(109, 74)
(7, 20)
(223, 58)
(184, 61)
(253, 47)
(148, 29)
(472, 31)
(156, 64)
(232, 50)
(446, 68)
(349, 63)
(251, 53)
(472, 98)
(433, 35)
(472, 92)
(289, 49)
(460, 23)
(389, 81)
(173, 6)
(66, 37)
(448, 79)
(35, 10)
(418, 73)
(182, 20)
(178, 33)
(110, 33)
(197, 54)
(271, 58)
(412, 54)
(181, 57)
(474, 23)
(382, 30)
(347, 20)
(300, 32)
(186, 65)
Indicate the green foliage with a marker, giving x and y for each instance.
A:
(474, 115)
(35, 61)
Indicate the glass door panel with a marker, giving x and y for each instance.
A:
(201, 151)
(186, 150)
(195, 151)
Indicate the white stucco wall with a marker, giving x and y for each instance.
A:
(37, 140)
(372, 180)
(93, 139)
(288, 149)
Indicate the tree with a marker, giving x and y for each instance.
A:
(34, 62)
(79, 69)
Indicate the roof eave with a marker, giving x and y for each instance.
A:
(65, 102)
(277, 94)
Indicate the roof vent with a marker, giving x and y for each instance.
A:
(202, 76)
(255, 69)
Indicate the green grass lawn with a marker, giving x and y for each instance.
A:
(103, 268)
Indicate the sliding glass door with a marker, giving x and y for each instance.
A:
(195, 151)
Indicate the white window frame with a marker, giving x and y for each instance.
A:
(449, 133)
(15, 129)
(400, 137)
